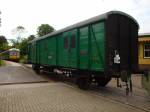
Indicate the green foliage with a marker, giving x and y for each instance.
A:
(18, 31)
(22, 43)
(2, 63)
(31, 37)
(19, 42)
(3, 43)
(4, 47)
(3, 39)
(20, 28)
(23, 59)
(15, 43)
(23, 46)
(44, 29)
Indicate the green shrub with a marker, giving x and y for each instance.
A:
(23, 59)
(2, 63)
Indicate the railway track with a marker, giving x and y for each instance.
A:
(111, 94)
(133, 101)
(127, 101)
(122, 102)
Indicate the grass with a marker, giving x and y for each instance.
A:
(2, 63)
(23, 59)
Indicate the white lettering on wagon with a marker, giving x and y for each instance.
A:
(49, 57)
(117, 57)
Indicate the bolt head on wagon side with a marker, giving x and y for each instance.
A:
(94, 50)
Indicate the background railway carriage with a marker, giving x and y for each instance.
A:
(144, 58)
(11, 54)
(144, 51)
(93, 50)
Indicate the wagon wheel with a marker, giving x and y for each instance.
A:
(37, 71)
(103, 81)
(36, 68)
(83, 83)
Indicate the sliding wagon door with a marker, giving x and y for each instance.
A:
(51, 51)
(97, 46)
(70, 49)
(83, 47)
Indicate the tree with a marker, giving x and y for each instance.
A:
(31, 37)
(44, 29)
(3, 43)
(15, 43)
(23, 46)
(3, 39)
(19, 30)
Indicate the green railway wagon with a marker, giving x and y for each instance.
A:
(96, 49)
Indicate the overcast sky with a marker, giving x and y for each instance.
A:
(62, 13)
